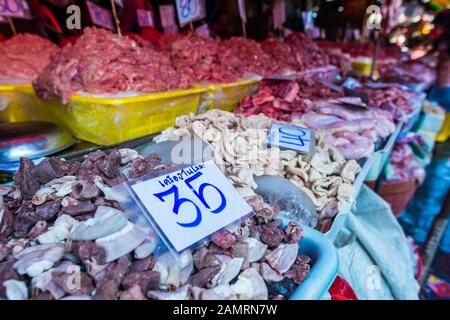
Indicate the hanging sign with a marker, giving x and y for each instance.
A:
(188, 10)
(100, 16)
(191, 204)
(242, 11)
(290, 137)
(15, 8)
(279, 14)
(167, 13)
(145, 18)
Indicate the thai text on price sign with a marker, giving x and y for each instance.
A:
(188, 10)
(100, 16)
(190, 204)
(145, 18)
(290, 137)
(14, 8)
(167, 13)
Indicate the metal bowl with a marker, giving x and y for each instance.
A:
(31, 140)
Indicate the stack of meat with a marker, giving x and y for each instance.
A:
(286, 100)
(63, 236)
(352, 130)
(283, 58)
(403, 166)
(24, 56)
(102, 62)
(407, 73)
(197, 58)
(245, 57)
(307, 52)
(398, 102)
(240, 149)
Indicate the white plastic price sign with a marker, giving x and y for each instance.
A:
(188, 10)
(279, 14)
(242, 11)
(189, 205)
(294, 138)
(14, 8)
(100, 16)
(145, 18)
(167, 13)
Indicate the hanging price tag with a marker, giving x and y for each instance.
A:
(145, 18)
(15, 8)
(289, 137)
(279, 14)
(189, 205)
(100, 16)
(242, 11)
(167, 13)
(188, 10)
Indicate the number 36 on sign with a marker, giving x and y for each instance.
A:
(190, 204)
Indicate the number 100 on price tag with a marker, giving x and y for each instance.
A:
(290, 137)
(190, 204)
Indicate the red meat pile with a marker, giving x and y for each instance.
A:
(197, 58)
(245, 57)
(407, 73)
(102, 62)
(283, 58)
(307, 52)
(396, 101)
(286, 99)
(24, 56)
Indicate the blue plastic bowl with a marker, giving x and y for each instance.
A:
(325, 265)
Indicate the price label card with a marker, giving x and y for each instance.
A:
(145, 18)
(119, 3)
(284, 136)
(15, 8)
(279, 14)
(189, 205)
(100, 16)
(188, 10)
(167, 13)
(242, 11)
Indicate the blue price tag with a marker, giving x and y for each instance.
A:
(188, 10)
(14, 8)
(290, 137)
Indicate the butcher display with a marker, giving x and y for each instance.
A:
(352, 129)
(102, 62)
(240, 149)
(24, 56)
(64, 236)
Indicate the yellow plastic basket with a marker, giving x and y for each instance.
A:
(228, 96)
(18, 103)
(106, 121)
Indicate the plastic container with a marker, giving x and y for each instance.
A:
(397, 194)
(325, 266)
(18, 103)
(380, 157)
(107, 121)
(228, 96)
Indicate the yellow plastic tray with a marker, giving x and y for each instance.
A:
(106, 121)
(19, 103)
(228, 96)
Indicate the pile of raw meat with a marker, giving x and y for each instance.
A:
(352, 130)
(24, 56)
(240, 149)
(63, 236)
(102, 62)
(403, 165)
(286, 100)
(398, 102)
(407, 73)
